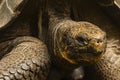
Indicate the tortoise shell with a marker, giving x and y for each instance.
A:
(9, 10)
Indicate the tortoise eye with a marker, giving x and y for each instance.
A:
(81, 41)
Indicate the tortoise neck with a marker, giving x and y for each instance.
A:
(58, 11)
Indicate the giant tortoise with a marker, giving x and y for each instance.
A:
(27, 57)
(70, 44)
(106, 17)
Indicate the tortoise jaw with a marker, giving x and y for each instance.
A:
(83, 59)
(70, 60)
(89, 58)
(94, 58)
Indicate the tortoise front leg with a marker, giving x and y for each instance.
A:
(27, 60)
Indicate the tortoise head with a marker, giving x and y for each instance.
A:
(80, 42)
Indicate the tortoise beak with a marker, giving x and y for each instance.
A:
(97, 46)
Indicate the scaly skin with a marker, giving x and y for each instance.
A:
(28, 59)
(108, 68)
(23, 58)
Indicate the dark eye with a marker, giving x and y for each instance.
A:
(81, 41)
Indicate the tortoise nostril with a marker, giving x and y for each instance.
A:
(99, 40)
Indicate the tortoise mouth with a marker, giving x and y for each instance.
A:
(90, 58)
(83, 58)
